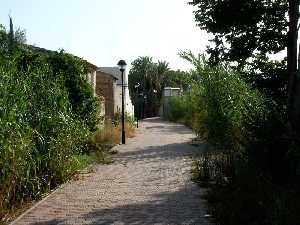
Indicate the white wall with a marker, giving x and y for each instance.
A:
(129, 108)
(118, 97)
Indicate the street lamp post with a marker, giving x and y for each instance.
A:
(144, 105)
(122, 65)
(154, 103)
(141, 102)
(137, 103)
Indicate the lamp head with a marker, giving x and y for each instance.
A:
(122, 65)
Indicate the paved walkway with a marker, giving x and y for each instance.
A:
(148, 184)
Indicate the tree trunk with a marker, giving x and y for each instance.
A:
(293, 80)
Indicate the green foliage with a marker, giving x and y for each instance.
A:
(39, 134)
(177, 78)
(265, 175)
(83, 161)
(242, 27)
(72, 72)
(246, 33)
(222, 107)
(146, 82)
(80, 93)
(174, 109)
(127, 117)
(11, 41)
(253, 157)
(47, 113)
(269, 77)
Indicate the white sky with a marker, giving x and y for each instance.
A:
(104, 31)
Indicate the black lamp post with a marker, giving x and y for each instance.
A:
(122, 65)
(144, 105)
(137, 104)
(154, 103)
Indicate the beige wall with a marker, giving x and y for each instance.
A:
(105, 88)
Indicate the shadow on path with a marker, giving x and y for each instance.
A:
(149, 184)
(50, 222)
(164, 152)
(166, 208)
(167, 127)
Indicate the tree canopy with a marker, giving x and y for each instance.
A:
(243, 28)
(145, 84)
(247, 32)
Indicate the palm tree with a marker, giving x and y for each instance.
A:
(149, 76)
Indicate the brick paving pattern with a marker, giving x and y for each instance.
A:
(149, 183)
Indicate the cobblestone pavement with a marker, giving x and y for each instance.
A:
(149, 183)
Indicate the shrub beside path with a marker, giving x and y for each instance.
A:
(149, 183)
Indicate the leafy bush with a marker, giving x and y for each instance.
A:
(174, 108)
(72, 72)
(255, 168)
(221, 107)
(39, 133)
(80, 93)
(47, 113)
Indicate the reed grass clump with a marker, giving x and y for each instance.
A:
(253, 172)
(111, 133)
(43, 123)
